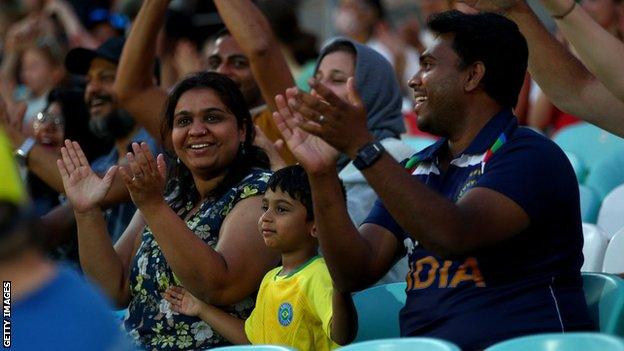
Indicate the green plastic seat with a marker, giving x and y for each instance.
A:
(588, 142)
(604, 294)
(607, 174)
(561, 342)
(578, 166)
(590, 204)
(402, 344)
(378, 311)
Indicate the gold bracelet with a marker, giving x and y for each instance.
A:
(563, 15)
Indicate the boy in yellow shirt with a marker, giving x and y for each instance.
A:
(296, 304)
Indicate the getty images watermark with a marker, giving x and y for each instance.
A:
(6, 314)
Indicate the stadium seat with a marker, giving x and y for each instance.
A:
(255, 348)
(561, 342)
(594, 247)
(578, 166)
(411, 344)
(614, 256)
(611, 214)
(607, 174)
(417, 143)
(604, 294)
(589, 143)
(378, 311)
(590, 204)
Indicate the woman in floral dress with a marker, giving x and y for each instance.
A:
(202, 234)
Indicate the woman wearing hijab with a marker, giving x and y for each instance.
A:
(379, 90)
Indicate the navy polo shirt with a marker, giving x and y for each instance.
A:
(529, 283)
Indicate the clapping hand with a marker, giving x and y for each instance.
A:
(84, 189)
(144, 176)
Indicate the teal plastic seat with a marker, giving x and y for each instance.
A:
(604, 294)
(417, 143)
(378, 311)
(402, 344)
(578, 166)
(255, 348)
(607, 174)
(561, 342)
(588, 142)
(590, 204)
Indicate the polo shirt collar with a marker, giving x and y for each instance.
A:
(501, 122)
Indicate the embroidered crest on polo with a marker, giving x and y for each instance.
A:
(285, 314)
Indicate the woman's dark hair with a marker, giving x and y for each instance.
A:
(180, 187)
(76, 115)
(76, 127)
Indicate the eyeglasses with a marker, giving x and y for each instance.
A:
(57, 120)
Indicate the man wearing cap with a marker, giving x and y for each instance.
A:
(107, 121)
(45, 300)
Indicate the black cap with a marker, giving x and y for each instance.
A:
(78, 60)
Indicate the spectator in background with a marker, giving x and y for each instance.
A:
(34, 59)
(364, 21)
(51, 305)
(469, 208)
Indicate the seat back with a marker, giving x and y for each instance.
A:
(590, 204)
(578, 166)
(561, 342)
(417, 143)
(613, 261)
(594, 247)
(588, 142)
(607, 174)
(611, 215)
(378, 311)
(604, 294)
(411, 344)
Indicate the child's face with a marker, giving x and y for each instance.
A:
(284, 225)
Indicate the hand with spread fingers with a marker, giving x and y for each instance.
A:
(84, 189)
(144, 176)
(314, 154)
(340, 123)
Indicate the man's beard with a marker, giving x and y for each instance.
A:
(118, 124)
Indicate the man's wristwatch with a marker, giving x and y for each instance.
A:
(368, 154)
(21, 154)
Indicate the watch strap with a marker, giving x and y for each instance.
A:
(368, 154)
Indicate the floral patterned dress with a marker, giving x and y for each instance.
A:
(150, 320)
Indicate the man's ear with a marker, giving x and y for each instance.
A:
(476, 72)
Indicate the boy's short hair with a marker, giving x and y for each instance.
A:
(293, 180)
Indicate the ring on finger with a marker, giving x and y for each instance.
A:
(321, 119)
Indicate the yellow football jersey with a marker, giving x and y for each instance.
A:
(294, 310)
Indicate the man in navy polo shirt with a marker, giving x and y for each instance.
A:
(489, 215)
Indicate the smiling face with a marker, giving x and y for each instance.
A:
(205, 134)
(49, 127)
(284, 225)
(99, 93)
(438, 88)
(334, 70)
(226, 57)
